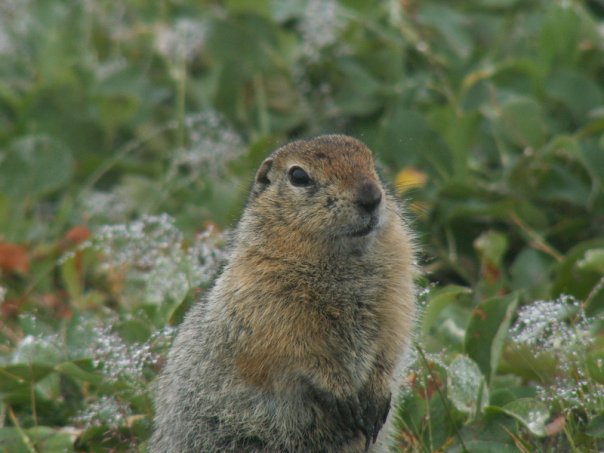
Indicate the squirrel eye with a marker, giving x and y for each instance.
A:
(298, 177)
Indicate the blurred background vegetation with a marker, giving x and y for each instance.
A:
(129, 132)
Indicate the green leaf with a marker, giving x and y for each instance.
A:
(564, 182)
(595, 427)
(261, 7)
(491, 245)
(496, 3)
(531, 413)
(284, 10)
(75, 371)
(71, 277)
(403, 137)
(439, 299)
(102, 438)
(35, 165)
(134, 330)
(575, 91)
(12, 440)
(16, 380)
(523, 123)
(466, 386)
(558, 173)
(593, 159)
(483, 446)
(595, 360)
(560, 35)
(487, 332)
(459, 132)
(451, 25)
(37, 350)
(424, 408)
(531, 271)
(524, 361)
(574, 280)
(593, 261)
(356, 79)
(490, 432)
(227, 37)
(49, 440)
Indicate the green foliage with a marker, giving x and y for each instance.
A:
(129, 133)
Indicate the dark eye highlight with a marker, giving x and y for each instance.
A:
(298, 177)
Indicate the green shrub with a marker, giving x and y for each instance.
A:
(129, 132)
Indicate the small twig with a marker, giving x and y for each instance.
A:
(569, 438)
(592, 294)
(519, 444)
(32, 391)
(537, 242)
(121, 153)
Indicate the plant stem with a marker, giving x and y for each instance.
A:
(442, 397)
(181, 90)
(24, 437)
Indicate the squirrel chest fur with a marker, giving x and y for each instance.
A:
(297, 345)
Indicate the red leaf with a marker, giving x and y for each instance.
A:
(10, 308)
(77, 234)
(13, 258)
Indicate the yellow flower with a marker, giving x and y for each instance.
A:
(409, 178)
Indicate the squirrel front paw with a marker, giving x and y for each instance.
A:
(363, 412)
(375, 410)
(345, 414)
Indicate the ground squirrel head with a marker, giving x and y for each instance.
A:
(323, 189)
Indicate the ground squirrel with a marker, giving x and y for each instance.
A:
(296, 347)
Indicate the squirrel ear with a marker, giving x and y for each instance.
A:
(262, 174)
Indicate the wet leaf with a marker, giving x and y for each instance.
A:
(17, 379)
(76, 370)
(439, 299)
(531, 413)
(595, 360)
(37, 350)
(483, 446)
(487, 332)
(466, 386)
(572, 279)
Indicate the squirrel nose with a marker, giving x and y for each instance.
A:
(369, 196)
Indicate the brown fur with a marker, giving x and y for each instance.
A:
(308, 321)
